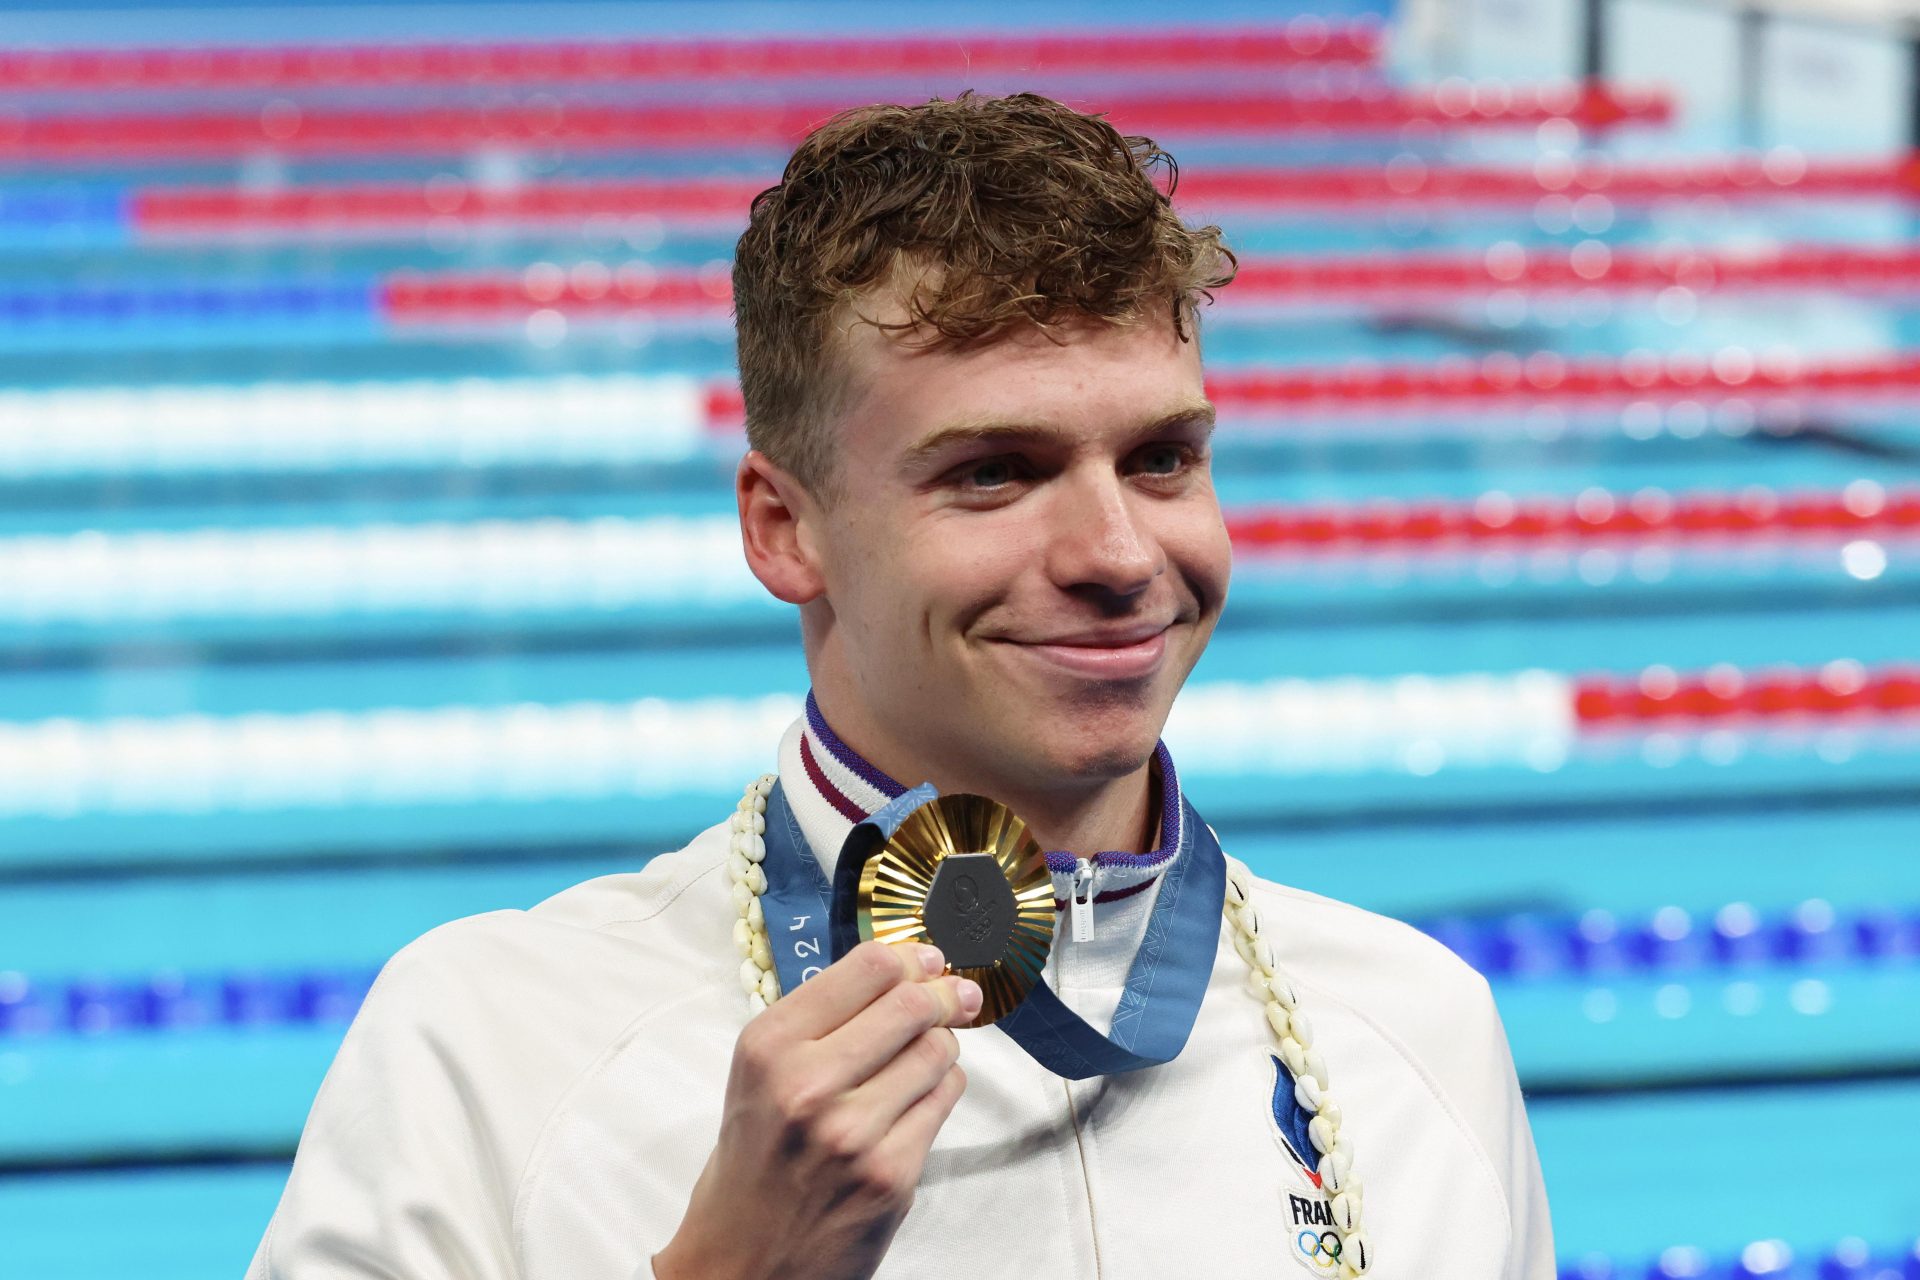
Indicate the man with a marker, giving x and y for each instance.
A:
(980, 470)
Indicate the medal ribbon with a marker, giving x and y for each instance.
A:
(1164, 986)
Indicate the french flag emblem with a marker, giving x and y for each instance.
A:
(1290, 1121)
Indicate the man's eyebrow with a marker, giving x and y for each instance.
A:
(1199, 416)
(997, 431)
(942, 439)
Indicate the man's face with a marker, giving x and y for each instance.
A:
(1024, 555)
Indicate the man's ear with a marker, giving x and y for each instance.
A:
(779, 530)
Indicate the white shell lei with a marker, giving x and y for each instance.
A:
(746, 850)
(1266, 981)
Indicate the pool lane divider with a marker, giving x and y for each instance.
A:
(1548, 378)
(330, 426)
(1669, 943)
(1314, 282)
(584, 289)
(1644, 517)
(1410, 180)
(1401, 279)
(179, 1003)
(158, 211)
(596, 290)
(1302, 41)
(425, 423)
(282, 127)
(1659, 697)
(174, 311)
(1636, 385)
(462, 754)
(611, 564)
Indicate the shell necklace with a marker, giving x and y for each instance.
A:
(1266, 981)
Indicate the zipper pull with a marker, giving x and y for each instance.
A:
(1081, 906)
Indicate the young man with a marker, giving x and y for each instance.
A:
(980, 470)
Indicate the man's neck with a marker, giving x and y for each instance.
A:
(1103, 815)
(1117, 816)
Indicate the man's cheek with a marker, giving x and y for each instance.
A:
(1206, 561)
(1217, 557)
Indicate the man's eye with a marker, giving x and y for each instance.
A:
(989, 474)
(1162, 459)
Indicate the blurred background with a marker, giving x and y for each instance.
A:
(367, 556)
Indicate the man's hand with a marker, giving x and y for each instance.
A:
(835, 1095)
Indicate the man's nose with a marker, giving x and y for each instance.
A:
(1101, 540)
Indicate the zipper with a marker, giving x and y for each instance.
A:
(1086, 1177)
(1080, 903)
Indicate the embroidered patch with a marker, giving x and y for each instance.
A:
(1289, 1123)
(1308, 1217)
(1311, 1238)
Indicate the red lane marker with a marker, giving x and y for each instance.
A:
(1659, 695)
(414, 204)
(1400, 277)
(1300, 43)
(406, 204)
(1549, 378)
(1545, 378)
(1320, 281)
(595, 290)
(284, 127)
(1648, 516)
(1411, 181)
(1315, 280)
(726, 409)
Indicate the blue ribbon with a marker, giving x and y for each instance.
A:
(806, 917)
(795, 901)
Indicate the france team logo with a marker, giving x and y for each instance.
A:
(1290, 1122)
(1309, 1219)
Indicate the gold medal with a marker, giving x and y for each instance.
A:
(963, 873)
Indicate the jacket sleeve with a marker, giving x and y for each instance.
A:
(1530, 1255)
(397, 1175)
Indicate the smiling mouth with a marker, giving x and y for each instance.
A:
(1125, 655)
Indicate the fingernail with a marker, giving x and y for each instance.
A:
(932, 961)
(969, 996)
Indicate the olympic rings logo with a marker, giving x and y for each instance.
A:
(1318, 1245)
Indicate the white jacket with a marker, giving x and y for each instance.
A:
(531, 1094)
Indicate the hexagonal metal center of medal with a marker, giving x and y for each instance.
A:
(970, 910)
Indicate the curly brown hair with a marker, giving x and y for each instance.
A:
(1014, 209)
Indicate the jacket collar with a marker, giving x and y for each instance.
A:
(830, 787)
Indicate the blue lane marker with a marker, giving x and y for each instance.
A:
(1851, 1259)
(170, 1002)
(1671, 941)
(36, 317)
(93, 216)
(1509, 948)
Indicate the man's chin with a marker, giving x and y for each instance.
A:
(1110, 765)
(1090, 745)
(1081, 730)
